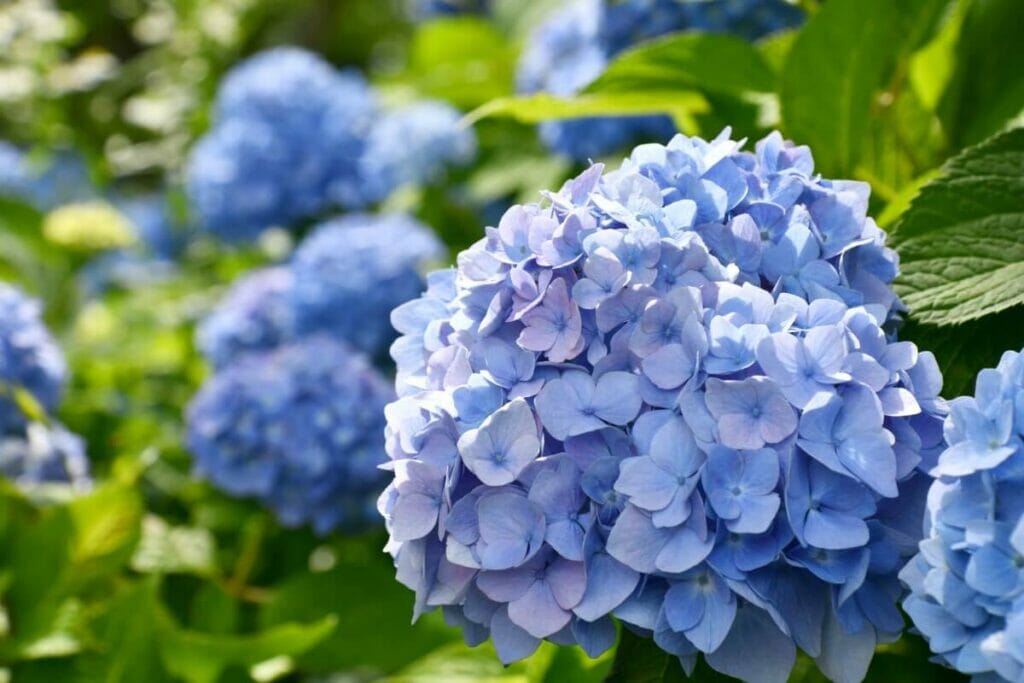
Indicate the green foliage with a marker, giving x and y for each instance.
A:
(960, 241)
(840, 64)
(681, 105)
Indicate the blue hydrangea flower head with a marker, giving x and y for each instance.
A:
(13, 176)
(575, 43)
(41, 455)
(667, 394)
(966, 581)
(256, 314)
(299, 429)
(160, 232)
(414, 145)
(30, 360)
(61, 179)
(351, 271)
(288, 136)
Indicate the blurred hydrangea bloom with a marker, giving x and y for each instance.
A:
(286, 144)
(30, 360)
(44, 455)
(351, 271)
(414, 145)
(154, 223)
(423, 10)
(13, 178)
(61, 179)
(966, 581)
(298, 428)
(256, 314)
(666, 394)
(574, 45)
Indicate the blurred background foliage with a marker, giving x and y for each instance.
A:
(153, 575)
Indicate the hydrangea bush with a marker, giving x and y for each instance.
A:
(298, 428)
(575, 44)
(30, 360)
(967, 579)
(671, 394)
(343, 280)
(289, 133)
(294, 137)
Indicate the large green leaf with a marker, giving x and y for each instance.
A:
(640, 660)
(359, 593)
(845, 55)
(714, 63)
(961, 242)
(962, 350)
(680, 104)
(198, 657)
(464, 60)
(988, 84)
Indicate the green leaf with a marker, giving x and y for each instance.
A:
(107, 527)
(845, 55)
(464, 60)
(961, 242)
(359, 594)
(681, 105)
(714, 63)
(962, 350)
(988, 88)
(201, 657)
(640, 660)
(457, 663)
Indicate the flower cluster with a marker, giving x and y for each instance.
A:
(63, 178)
(154, 222)
(667, 394)
(290, 140)
(342, 280)
(32, 368)
(574, 45)
(44, 455)
(288, 137)
(352, 271)
(297, 428)
(967, 581)
(30, 360)
(412, 143)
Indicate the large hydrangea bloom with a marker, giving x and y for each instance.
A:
(298, 428)
(41, 455)
(967, 581)
(351, 271)
(289, 133)
(574, 45)
(414, 145)
(666, 394)
(29, 358)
